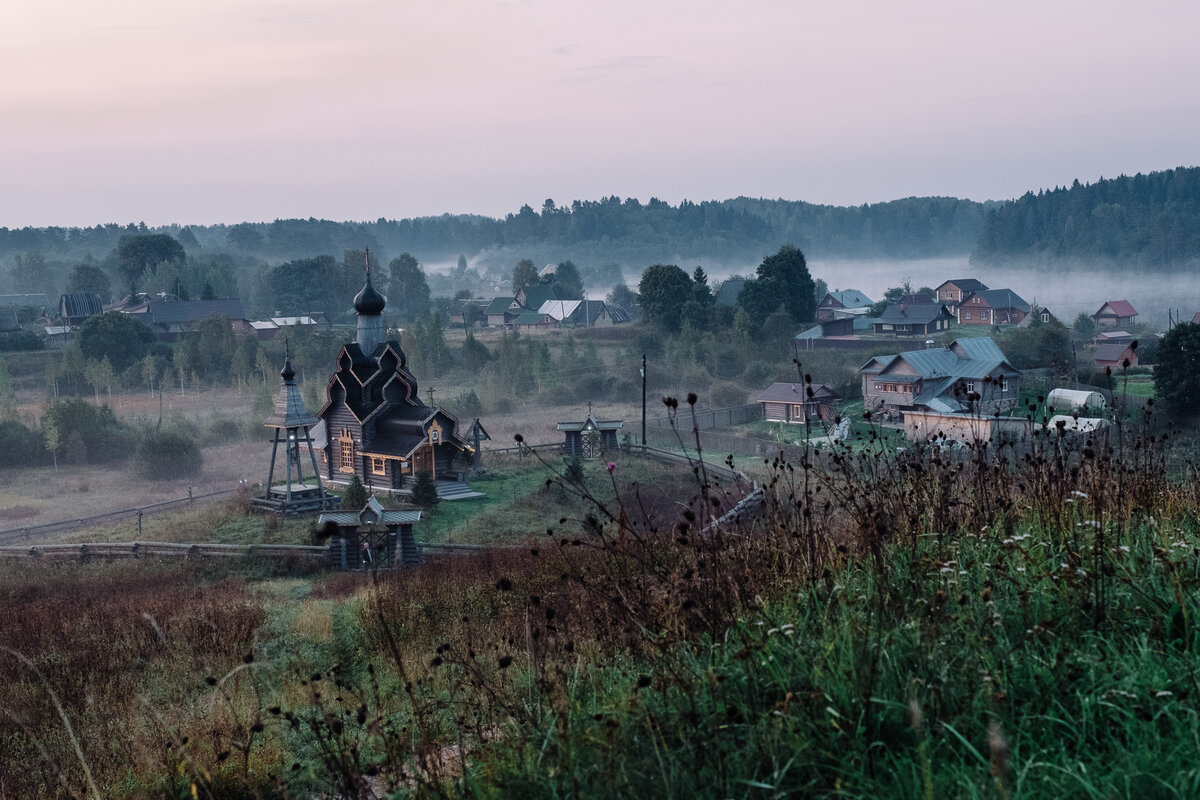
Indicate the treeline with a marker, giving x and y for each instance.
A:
(625, 231)
(1148, 220)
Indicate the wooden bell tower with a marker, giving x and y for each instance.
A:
(292, 422)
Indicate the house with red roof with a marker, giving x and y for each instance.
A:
(1114, 313)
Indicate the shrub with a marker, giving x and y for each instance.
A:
(104, 438)
(20, 446)
(21, 340)
(727, 393)
(466, 405)
(165, 455)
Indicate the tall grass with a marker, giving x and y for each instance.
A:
(938, 622)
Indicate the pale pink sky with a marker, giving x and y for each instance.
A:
(204, 111)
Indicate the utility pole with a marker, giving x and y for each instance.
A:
(643, 402)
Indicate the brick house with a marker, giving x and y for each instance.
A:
(951, 293)
(992, 307)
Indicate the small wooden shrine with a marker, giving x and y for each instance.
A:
(590, 438)
(292, 422)
(372, 538)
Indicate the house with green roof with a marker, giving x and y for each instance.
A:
(971, 376)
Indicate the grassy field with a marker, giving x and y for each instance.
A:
(953, 630)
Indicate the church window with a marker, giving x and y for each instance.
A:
(377, 466)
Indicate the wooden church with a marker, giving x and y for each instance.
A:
(374, 424)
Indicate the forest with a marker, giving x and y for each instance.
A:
(1147, 220)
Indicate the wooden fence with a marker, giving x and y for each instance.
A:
(706, 420)
(134, 515)
(163, 549)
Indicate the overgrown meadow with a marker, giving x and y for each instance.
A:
(936, 622)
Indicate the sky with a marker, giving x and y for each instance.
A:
(223, 111)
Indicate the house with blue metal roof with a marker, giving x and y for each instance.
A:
(971, 376)
(843, 303)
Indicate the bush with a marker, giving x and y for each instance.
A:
(103, 437)
(727, 393)
(466, 405)
(21, 340)
(20, 446)
(166, 455)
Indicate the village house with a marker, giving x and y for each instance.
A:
(843, 303)
(1114, 313)
(970, 376)
(951, 293)
(1039, 314)
(1115, 355)
(791, 403)
(501, 311)
(170, 317)
(920, 319)
(992, 307)
(374, 424)
(74, 308)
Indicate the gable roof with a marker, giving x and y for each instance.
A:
(794, 393)
(559, 309)
(591, 423)
(1001, 298)
(532, 297)
(499, 305)
(964, 285)
(972, 359)
(1110, 351)
(849, 298)
(179, 312)
(918, 314)
(529, 318)
(1120, 308)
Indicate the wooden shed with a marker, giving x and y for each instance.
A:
(790, 402)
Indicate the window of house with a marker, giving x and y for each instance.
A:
(1004, 384)
(377, 466)
(1045, 316)
(966, 315)
(797, 411)
(346, 450)
(970, 386)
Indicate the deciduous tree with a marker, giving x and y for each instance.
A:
(662, 291)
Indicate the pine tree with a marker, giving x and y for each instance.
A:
(424, 491)
(355, 496)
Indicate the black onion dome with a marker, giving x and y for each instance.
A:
(287, 373)
(369, 301)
